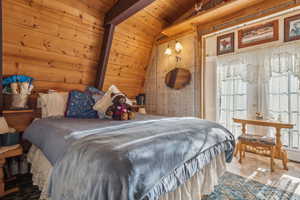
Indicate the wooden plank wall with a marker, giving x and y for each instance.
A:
(58, 42)
(130, 53)
(163, 100)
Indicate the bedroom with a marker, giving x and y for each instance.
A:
(150, 99)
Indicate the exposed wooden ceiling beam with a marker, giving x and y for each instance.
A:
(104, 56)
(124, 9)
(121, 11)
(209, 15)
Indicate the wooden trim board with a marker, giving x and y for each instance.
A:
(267, 8)
(210, 15)
(18, 111)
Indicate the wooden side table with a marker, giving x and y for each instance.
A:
(3, 155)
(21, 119)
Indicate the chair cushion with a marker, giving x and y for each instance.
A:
(258, 139)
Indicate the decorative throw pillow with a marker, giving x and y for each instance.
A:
(53, 104)
(80, 105)
(95, 93)
(106, 101)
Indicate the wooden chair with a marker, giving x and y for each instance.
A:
(258, 142)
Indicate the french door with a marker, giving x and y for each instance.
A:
(284, 104)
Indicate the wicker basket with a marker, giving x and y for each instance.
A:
(16, 101)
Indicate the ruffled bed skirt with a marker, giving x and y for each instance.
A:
(202, 183)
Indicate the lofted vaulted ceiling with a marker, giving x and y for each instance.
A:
(58, 42)
(169, 10)
(133, 41)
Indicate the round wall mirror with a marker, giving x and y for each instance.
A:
(178, 78)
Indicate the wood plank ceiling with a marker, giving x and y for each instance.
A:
(133, 43)
(58, 42)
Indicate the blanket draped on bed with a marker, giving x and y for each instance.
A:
(137, 161)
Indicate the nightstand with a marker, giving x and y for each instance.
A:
(7, 152)
(21, 119)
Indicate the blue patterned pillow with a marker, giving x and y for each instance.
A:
(94, 92)
(80, 105)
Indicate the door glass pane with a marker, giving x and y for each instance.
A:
(284, 104)
(232, 98)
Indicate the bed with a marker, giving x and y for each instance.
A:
(149, 158)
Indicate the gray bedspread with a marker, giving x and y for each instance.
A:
(50, 134)
(137, 160)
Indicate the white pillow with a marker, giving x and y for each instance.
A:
(106, 100)
(53, 104)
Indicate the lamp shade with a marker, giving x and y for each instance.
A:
(168, 51)
(178, 47)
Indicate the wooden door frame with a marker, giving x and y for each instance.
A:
(1, 61)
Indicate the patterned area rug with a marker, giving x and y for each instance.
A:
(232, 187)
(238, 188)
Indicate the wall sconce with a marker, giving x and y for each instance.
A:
(168, 51)
(178, 47)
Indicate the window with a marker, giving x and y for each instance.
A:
(284, 104)
(262, 80)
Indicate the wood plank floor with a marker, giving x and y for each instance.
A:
(255, 167)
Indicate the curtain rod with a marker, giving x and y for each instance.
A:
(255, 49)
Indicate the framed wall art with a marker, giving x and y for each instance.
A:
(292, 28)
(259, 34)
(225, 44)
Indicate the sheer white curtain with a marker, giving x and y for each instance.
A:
(264, 80)
(284, 59)
(237, 89)
(232, 94)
